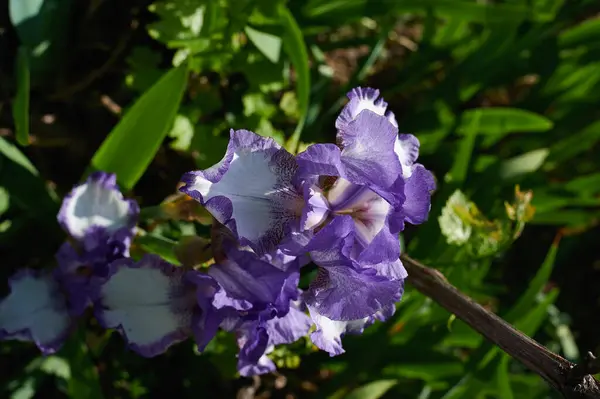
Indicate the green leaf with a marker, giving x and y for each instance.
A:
(183, 133)
(588, 185)
(268, 44)
(523, 164)
(130, 147)
(4, 200)
(41, 26)
(372, 390)
(537, 284)
(15, 155)
(160, 246)
(295, 47)
(588, 32)
(84, 381)
(460, 167)
(498, 122)
(21, 102)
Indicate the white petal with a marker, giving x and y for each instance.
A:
(35, 310)
(150, 305)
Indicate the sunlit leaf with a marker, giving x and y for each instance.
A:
(372, 390)
(130, 147)
(295, 47)
(268, 44)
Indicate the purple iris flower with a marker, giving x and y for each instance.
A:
(371, 177)
(101, 224)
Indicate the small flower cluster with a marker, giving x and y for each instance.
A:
(339, 207)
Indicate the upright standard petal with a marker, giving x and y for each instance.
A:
(151, 303)
(35, 310)
(97, 203)
(250, 190)
(361, 99)
(368, 161)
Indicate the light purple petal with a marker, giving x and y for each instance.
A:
(320, 160)
(316, 208)
(207, 318)
(251, 283)
(289, 328)
(250, 190)
(418, 189)
(361, 99)
(97, 203)
(370, 159)
(149, 302)
(35, 310)
(347, 293)
(264, 365)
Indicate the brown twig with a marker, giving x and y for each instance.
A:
(573, 381)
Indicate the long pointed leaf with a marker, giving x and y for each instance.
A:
(130, 147)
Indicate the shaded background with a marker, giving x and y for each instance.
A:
(498, 92)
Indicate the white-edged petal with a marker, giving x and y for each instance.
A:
(250, 190)
(35, 310)
(149, 302)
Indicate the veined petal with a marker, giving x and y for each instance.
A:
(35, 310)
(361, 99)
(406, 148)
(289, 328)
(347, 293)
(250, 190)
(254, 283)
(370, 159)
(149, 302)
(320, 160)
(97, 203)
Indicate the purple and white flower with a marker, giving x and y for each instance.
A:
(152, 303)
(97, 204)
(35, 310)
(251, 190)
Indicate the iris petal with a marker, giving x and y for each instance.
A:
(97, 203)
(250, 190)
(149, 303)
(35, 310)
